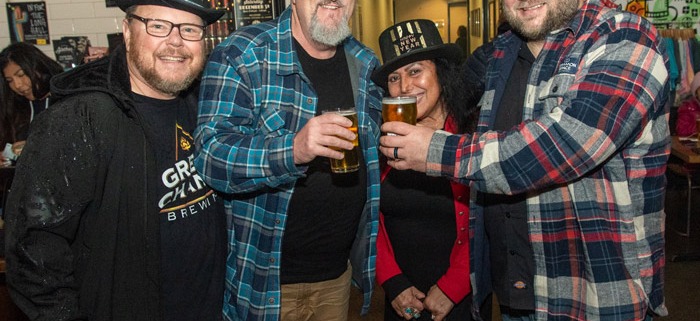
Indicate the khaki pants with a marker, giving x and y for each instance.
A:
(320, 301)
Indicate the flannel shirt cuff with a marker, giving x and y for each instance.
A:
(442, 154)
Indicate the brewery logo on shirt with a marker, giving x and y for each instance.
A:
(186, 193)
(184, 140)
(568, 66)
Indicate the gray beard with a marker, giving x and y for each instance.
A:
(330, 36)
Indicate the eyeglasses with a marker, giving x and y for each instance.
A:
(162, 28)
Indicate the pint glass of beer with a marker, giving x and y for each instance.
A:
(350, 161)
(402, 108)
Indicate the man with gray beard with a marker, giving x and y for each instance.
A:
(108, 219)
(568, 162)
(298, 233)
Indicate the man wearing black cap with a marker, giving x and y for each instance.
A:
(293, 225)
(108, 219)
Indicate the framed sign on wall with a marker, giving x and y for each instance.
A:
(28, 22)
(475, 22)
(254, 11)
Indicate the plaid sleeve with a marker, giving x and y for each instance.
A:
(240, 143)
(592, 106)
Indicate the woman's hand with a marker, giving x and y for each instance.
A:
(438, 303)
(18, 146)
(408, 303)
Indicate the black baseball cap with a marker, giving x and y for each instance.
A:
(198, 7)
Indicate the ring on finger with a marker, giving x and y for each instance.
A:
(396, 153)
(409, 311)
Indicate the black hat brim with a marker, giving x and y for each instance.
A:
(209, 15)
(450, 51)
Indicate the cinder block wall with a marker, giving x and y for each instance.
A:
(89, 18)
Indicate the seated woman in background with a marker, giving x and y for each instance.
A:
(423, 239)
(25, 92)
(689, 110)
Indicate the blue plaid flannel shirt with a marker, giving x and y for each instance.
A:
(254, 98)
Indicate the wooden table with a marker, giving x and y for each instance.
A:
(689, 153)
(684, 150)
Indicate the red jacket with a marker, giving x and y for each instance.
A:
(455, 283)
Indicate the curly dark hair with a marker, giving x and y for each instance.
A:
(455, 94)
(14, 111)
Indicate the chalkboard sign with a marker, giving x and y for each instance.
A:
(250, 12)
(65, 54)
(114, 40)
(28, 22)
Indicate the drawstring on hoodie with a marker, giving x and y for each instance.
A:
(31, 108)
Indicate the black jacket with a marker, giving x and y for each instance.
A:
(80, 242)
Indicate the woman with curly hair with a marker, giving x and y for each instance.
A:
(423, 241)
(25, 91)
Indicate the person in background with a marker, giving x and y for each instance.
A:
(25, 93)
(462, 41)
(424, 219)
(107, 218)
(262, 138)
(689, 110)
(571, 178)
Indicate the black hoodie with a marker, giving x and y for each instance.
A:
(80, 242)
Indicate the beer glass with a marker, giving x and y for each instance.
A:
(402, 108)
(350, 161)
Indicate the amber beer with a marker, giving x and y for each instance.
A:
(402, 108)
(350, 161)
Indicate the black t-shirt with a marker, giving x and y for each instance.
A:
(419, 218)
(192, 229)
(325, 209)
